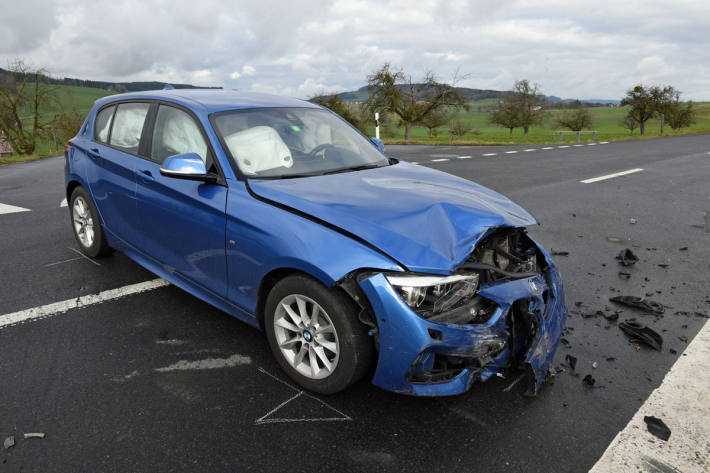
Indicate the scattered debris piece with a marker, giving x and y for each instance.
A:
(638, 333)
(578, 303)
(559, 253)
(610, 358)
(627, 257)
(517, 380)
(564, 341)
(589, 381)
(614, 239)
(685, 248)
(673, 352)
(632, 221)
(571, 361)
(612, 316)
(702, 314)
(34, 435)
(657, 427)
(663, 265)
(9, 442)
(639, 303)
(594, 365)
(624, 275)
(683, 339)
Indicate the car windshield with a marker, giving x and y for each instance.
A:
(294, 142)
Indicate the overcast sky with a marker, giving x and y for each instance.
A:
(591, 50)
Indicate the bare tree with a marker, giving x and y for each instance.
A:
(643, 105)
(575, 120)
(391, 90)
(23, 97)
(505, 114)
(529, 106)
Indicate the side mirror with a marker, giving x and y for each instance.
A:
(378, 144)
(186, 166)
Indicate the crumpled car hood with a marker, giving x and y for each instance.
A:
(427, 220)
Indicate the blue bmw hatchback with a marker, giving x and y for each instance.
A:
(281, 214)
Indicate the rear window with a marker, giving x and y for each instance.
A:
(128, 126)
(103, 124)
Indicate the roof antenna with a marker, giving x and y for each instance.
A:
(168, 87)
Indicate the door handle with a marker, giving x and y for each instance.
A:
(94, 153)
(146, 175)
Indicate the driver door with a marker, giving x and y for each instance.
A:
(182, 221)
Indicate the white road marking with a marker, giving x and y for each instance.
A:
(681, 403)
(439, 160)
(207, 364)
(549, 147)
(603, 142)
(84, 256)
(530, 149)
(577, 145)
(11, 209)
(63, 203)
(563, 146)
(61, 307)
(490, 154)
(591, 144)
(464, 157)
(611, 176)
(265, 419)
(61, 262)
(510, 152)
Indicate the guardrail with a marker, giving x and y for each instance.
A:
(594, 134)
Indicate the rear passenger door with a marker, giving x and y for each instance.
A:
(182, 221)
(113, 157)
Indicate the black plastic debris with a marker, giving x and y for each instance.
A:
(612, 316)
(673, 352)
(571, 361)
(638, 333)
(683, 339)
(685, 248)
(589, 381)
(559, 253)
(627, 257)
(663, 265)
(9, 442)
(639, 303)
(657, 427)
(610, 358)
(624, 275)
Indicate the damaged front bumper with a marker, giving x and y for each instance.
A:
(424, 358)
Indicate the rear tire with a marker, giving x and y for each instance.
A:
(86, 225)
(324, 353)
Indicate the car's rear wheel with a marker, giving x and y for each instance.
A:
(315, 335)
(86, 224)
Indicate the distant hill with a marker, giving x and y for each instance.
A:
(469, 95)
(106, 85)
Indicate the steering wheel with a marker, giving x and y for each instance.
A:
(320, 148)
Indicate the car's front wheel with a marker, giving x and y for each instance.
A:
(86, 224)
(315, 335)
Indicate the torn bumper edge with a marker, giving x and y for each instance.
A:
(404, 335)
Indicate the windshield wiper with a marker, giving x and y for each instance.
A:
(355, 168)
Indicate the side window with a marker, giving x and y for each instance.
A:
(103, 124)
(128, 126)
(176, 132)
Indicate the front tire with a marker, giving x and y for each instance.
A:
(86, 225)
(315, 335)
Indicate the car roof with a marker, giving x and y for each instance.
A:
(211, 100)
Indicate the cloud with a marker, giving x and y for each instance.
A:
(306, 47)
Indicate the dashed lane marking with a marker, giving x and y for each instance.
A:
(530, 149)
(563, 146)
(11, 209)
(591, 144)
(577, 145)
(681, 403)
(489, 154)
(549, 147)
(464, 157)
(439, 160)
(603, 142)
(611, 176)
(510, 152)
(49, 310)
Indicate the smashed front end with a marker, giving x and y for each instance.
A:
(504, 308)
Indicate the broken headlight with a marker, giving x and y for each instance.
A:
(444, 299)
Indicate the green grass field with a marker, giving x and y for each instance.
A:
(607, 121)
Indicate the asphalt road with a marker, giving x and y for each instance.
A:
(104, 382)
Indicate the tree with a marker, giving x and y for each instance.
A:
(335, 103)
(391, 90)
(434, 120)
(23, 97)
(663, 98)
(526, 97)
(575, 120)
(506, 113)
(459, 128)
(679, 115)
(643, 105)
(629, 123)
